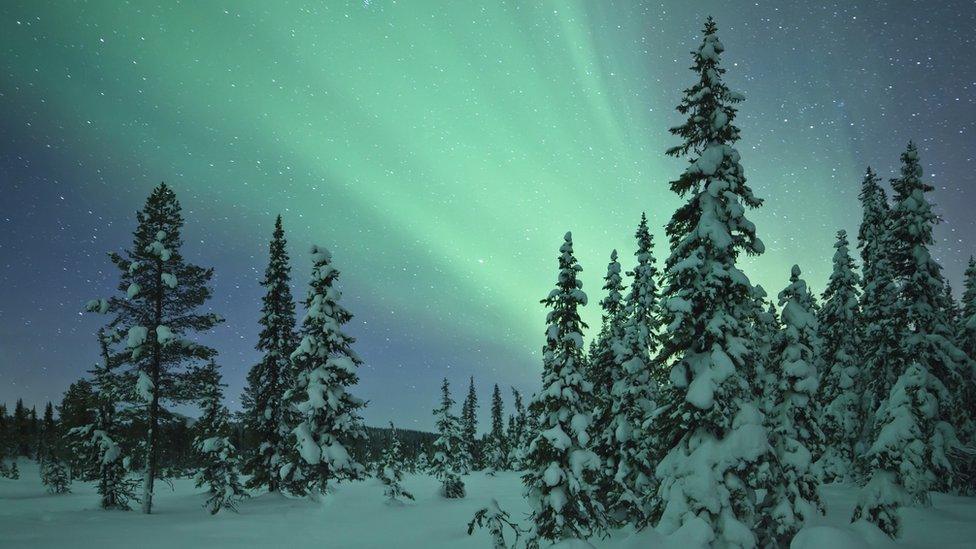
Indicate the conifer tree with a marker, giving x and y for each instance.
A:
(33, 430)
(636, 391)
(21, 428)
(496, 453)
(765, 327)
(603, 371)
(794, 419)
(97, 444)
(712, 431)
(841, 380)
(517, 431)
(914, 433)
(560, 470)
(881, 353)
(951, 310)
(163, 293)
(447, 465)
(922, 285)
(6, 440)
(900, 457)
(966, 330)
(212, 442)
(967, 322)
(469, 428)
(391, 469)
(54, 475)
(267, 381)
(324, 369)
(49, 438)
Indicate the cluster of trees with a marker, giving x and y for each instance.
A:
(704, 406)
(298, 408)
(22, 434)
(300, 428)
(458, 450)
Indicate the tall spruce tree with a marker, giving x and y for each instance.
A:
(841, 381)
(603, 371)
(163, 293)
(914, 432)
(929, 339)
(324, 369)
(47, 443)
(391, 469)
(54, 473)
(794, 419)
(21, 428)
(711, 430)
(212, 443)
(448, 465)
(469, 428)
(636, 391)
(881, 353)
(967, 322)
(766, 327)
(496, 449)
(560, 470)
(518, 431)
(966, 329)
(267, 381)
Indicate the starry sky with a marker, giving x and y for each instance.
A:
(440, 150)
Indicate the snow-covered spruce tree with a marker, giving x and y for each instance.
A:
(839, 395)
(447, 464)
(794, 420)
(950, 309)
(966, 330)
(900, 458)
(95, 443)
(422, 463)
(635, 392)
(560, 470)
(496, 449)
(765, 326)
(324, 367)
(881, 353)
(212, 442)
(162, 296)
(54, 475)
(267, 381)
(469, 428)
(711, 429)
(391, 470)
(926, 339)
(517, 432)
(603, 371)
(967, 322)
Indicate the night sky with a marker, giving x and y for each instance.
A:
(440, 150)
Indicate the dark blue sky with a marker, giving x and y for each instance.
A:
(440, 152)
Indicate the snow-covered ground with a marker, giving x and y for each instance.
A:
(358, 516)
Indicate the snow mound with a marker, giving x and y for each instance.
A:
(819, 537)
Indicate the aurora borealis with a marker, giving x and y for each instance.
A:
(440, 150)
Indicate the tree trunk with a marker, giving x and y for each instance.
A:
(149, 478)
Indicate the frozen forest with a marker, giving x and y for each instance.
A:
(704, 411)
